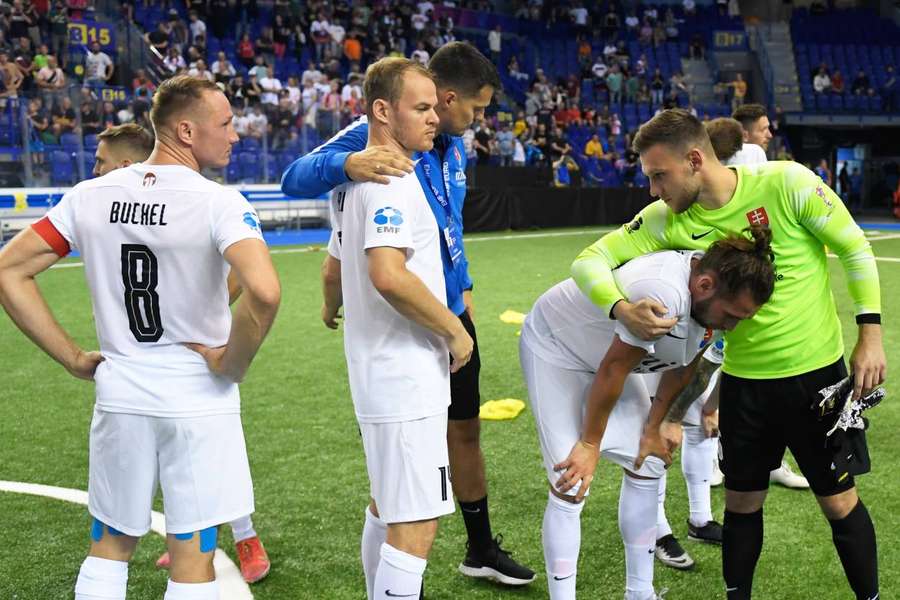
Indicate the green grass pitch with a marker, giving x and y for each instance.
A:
(308, 468)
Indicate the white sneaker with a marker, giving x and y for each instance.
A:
(785, 476)
(717, 477)
(650, 596)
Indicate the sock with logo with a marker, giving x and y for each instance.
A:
(242, 529)
(662, 522)
(101, 579)
(561, 536)
(638, 509)
(399, 574)
(697, 464)
(742, 539)
(373, 536)
(478, 523)
(854, 538)
(192, 591)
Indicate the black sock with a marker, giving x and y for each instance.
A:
(478, 523)
(854, 538)
(742, 539)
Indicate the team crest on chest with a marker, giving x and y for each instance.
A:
(758, 216)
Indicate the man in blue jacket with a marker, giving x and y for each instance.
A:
(466, 82)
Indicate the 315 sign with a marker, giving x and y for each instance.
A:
(85, 33)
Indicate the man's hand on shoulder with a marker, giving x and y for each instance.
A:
(376, 163)
(644, 319)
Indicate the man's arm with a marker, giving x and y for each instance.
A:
(592, 271)
(679, 406)
(822, 212)
(255, 313)
(21, 260)
(411, 298)
(332, 294)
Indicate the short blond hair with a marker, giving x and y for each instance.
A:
(131, 138)
(726, 136)
(384, 79)
(175, 95)
(676, 128)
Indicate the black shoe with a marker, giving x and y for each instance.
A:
(494, 563)
(711, 533)
(670, 553)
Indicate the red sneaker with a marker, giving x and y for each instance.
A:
(163, 562)
(253, 558)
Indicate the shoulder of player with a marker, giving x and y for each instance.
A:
(662, 276)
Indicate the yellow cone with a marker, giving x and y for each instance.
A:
(501, 410)
(512, 317)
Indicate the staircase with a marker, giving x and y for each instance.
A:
(773, 45)
(699, 79)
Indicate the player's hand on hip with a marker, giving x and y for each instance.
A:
(868, 362)
(579, 466)
(645, 318)
(85, 364)
(330, 316)
(653, 444)
(376, 163)
(710, 424)
(461, 347)
(470, 304)
(214, 360)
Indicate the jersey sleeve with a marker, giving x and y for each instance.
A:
(390, 214)
(334, 244)
(62, 219)
(234, 219)
(654, 289)
(322, 170)
(820, 211)
(592, 270)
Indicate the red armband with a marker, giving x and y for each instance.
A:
(50, 234)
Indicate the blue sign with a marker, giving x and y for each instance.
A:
(85, 33)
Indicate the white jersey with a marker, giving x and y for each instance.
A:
(566, 329)
(399, 370)
(749, 154)
(153, 239)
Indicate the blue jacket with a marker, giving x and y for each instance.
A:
(322, 170)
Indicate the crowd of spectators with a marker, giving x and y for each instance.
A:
(831, 81)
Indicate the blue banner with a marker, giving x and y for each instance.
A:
(84, 33)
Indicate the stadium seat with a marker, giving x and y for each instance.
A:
(69, 140)
(62, 168)
(249, 166)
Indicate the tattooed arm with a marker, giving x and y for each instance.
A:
(692, 391)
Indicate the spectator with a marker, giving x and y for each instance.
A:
(518, 159)
(889, 89)
(311, 74)
(690, 7)
(657, 87)
(197, 27)
(141, 86)
(599, 69)
(513, 69)
(200, 71)
(740, 91)
(629, 166)
(320, 33)
(562, 170)
(173, 61)
(51, 81)
(353, 47)
(40, 122)
(180, 35)
(483, 139)
(64, 117)
(837, 82)
(822, 81)
(843, 188)
(109, 118)
(632, 22)
(265, 45)
(506, 143)
(659, 35)
(861, 85)
(284, 120)
(495, 41)
(259, 67)
(270, 86)
(420, 54)
(632, 85)
(282, 32)
(222, 69)
(559, 145)
(329, 110)
(235, 91)
(614, 84)
(98, 67)
(240, 121)
(645, 36)
(40, 58)
(611, 25)
(59, 32)
(258, 122)
(594, 148)
(351, 86)
(252, 91)
(697, 48)
(90, 119)
(246, 51)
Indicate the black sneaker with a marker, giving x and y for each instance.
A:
(711, 533)
(495, 564)
(670, 553)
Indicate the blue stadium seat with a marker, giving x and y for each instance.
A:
(69, 140)
(250, 167)
(90, 140)
(62, 168)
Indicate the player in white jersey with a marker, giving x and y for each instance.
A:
(121, 146)
(583, 410)
(384, 267)
(157, 240)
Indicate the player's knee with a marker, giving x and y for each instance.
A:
(838, 506)
(566, 497)
(206, 539)
(110, 543)
(744, 502)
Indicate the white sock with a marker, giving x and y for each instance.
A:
(662, 522)
(697, 465)
(373, 536)
(242, 529)
(638, 507)
(101, 579)
(192, 591)
(399, 574)
(561, 535)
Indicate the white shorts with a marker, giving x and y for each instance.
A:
(558, 399)
(200, 463)
(409, 469)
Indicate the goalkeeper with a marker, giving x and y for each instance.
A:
(776, 362)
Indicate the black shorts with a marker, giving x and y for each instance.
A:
(758, 418)
(465, 399)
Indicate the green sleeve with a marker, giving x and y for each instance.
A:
(592, 270)
(820, 210)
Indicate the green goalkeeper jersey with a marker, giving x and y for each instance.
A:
(798, 330)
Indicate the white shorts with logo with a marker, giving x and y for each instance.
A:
(200, 463)
(558, 399)
(408, 466)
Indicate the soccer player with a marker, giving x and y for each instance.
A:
(584, 411)
(121, 146)
(727, 138)
(157, 240)
(399, 333)
(776, 362)
(755, 122)
(465, 82)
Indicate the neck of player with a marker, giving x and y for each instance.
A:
(166, 153)
(380, 135)
(718, 187)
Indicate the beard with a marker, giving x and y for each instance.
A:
(700, 312)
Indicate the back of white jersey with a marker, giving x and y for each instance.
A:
(566, 329)
(398, 370)
(153, 239)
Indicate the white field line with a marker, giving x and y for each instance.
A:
(231, 585)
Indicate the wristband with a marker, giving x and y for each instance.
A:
(868, 319)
